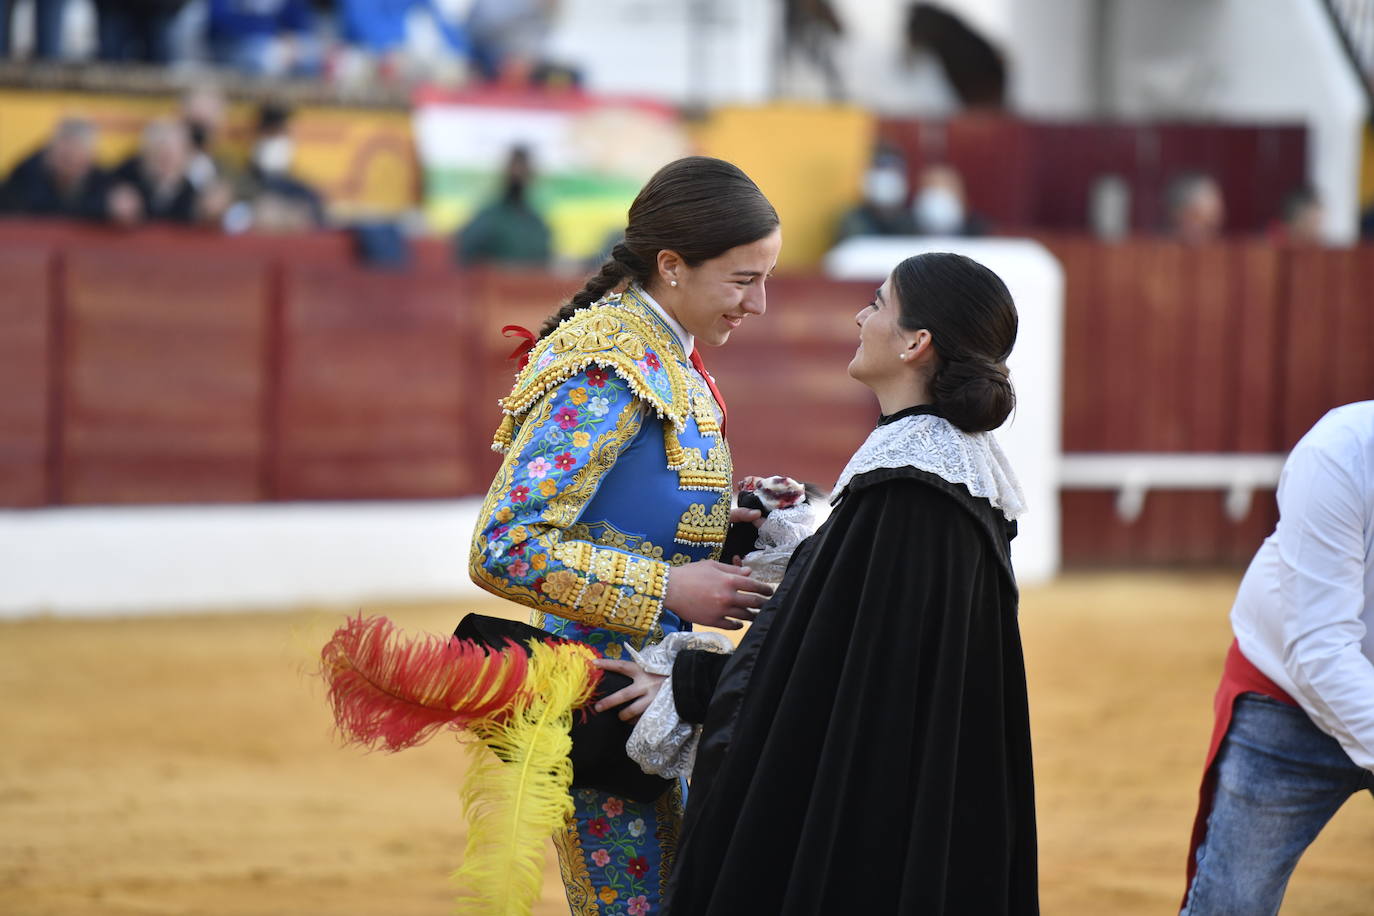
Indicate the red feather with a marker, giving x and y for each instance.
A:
(394, 692)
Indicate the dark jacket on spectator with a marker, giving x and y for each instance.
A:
(32, 189)
(177, 207)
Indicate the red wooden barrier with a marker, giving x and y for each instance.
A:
(162, 376)
(26, 313)
(374, 369)
(179, 367)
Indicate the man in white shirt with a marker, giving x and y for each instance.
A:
(1295, 710)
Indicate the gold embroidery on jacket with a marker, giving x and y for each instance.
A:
(607, 535)
(614, 337)
(712, 472)
(577, 878)
(668, 812)
(701, 526)
(571, 593)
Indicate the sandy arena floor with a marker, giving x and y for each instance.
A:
(186, 766)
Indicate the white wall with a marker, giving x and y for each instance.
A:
(1053, 56)
(650, 47)
(1251, 61)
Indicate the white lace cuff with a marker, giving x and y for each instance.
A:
(779, 535)
(661, 742)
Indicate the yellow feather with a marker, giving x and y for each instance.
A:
(515, 799)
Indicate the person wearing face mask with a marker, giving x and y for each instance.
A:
(509, 230)
(939, 207)
(269, 198)
(883, 210)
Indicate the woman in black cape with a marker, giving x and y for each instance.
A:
(867, 747)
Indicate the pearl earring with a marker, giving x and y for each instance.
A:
(672, 283)
(903, 355)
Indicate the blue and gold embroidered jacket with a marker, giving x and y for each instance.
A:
(616, 470)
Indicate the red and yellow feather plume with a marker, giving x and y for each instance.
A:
(395, 692)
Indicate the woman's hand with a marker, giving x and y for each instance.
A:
(715, 594)
(642, 692)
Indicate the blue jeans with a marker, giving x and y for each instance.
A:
(1279, 780)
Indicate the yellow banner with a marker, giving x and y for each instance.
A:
(808, 159)
(361, 160)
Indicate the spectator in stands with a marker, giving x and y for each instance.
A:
(136, 30)
(265, 37)
(940, 207)
(508, 230)
(47, 27)
(61, 179)
(883, 210)
(202, 110)
(1196, 210)
(1301, 218)
(395, 40)
(155, 185)
(268, 198)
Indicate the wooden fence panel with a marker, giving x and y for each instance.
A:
(1174, 356)
(26, 299)
(1084, 358)
(1255, 385)
(1329, 335)
(164, 367)
(162, 381)
(374, 397)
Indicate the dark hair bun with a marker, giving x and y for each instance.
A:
(975, 396)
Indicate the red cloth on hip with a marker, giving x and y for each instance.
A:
(695, 357)
(1237, 677)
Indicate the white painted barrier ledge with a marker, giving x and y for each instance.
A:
(166, 559)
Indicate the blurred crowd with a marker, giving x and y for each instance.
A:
(346, 41)
(935, 204)
(178, 175)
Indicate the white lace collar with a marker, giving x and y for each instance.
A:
(933, 444)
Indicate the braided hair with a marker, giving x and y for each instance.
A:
(698, 207)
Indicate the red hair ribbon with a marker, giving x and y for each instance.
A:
(522, 349)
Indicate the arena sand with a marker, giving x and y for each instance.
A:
(186, 765)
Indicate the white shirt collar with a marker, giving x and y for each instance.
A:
(687, 340)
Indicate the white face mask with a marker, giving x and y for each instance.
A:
(273, 155)
(939, 212)
(885, 187)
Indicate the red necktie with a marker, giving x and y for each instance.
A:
(700, 366)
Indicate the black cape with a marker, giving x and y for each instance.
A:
(867, 748)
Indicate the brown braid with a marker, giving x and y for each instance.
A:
(621, 266)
